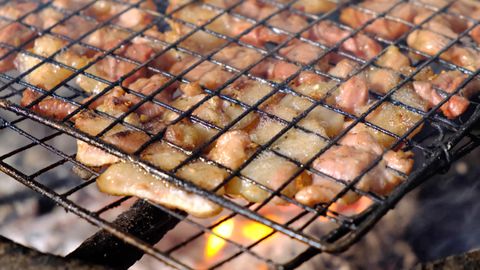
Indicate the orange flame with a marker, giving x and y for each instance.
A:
(255, 231)
(215, 243)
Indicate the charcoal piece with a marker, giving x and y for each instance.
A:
(143, 220)
(14, 256)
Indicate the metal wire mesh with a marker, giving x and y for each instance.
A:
(434, 148)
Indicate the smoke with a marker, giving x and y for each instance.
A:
(446, 221)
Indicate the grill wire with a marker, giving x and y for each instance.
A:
(443, 142)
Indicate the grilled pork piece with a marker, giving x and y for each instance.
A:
(206, 73)
(132, 18)
(232, 149)
(120, 136)
(349, 160)
(386, 28)
(127, 179)
(299, 52)
(449, 81)
(432, 43)
(319, 120)
(48, 75)
(328, 33)
(48, 107)
(269, 170)
(14, 33)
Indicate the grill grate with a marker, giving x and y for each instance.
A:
(440, 143)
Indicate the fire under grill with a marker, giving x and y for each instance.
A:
(442, 140)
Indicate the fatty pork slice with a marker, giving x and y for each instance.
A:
(214, 110)
(206, 73)
(113, 69)
(48, 75)
(195, 13)
(301, 53)
(188, 135)
(247, 90)
(384, 27)
(313, 6)
(346, 161)
(232, 148)
(133, 18)
(261, 35)
(394, 119)
(330, 34)
(448, 82)
(14, 33)
(319, 120)
(271, 171)
(431, 43)
(124, 138)
(126, 179)
(294, 143)
(394, 59)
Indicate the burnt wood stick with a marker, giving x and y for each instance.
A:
(14, 256)
(142, 220)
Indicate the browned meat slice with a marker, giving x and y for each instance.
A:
(444, 24)
(48, 75)
(344, 68)
(475, 34)
(349, 160)
(14, 33)
(197, 14)
(232, 149)
(272, 171)
(353, 94)
(188, 135)
(432, 43)
(260, 35)
(112, 69)
(360, 45)
(148, 86)
(299, 52)
(313, 6)
(48, 107)
(127, 179)
(386, 28)
(134, 18)
(448, 82)
(215, 110)
(122, 137)
(238, 56)
(117, 101)
(206, 73)
(394, 59)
